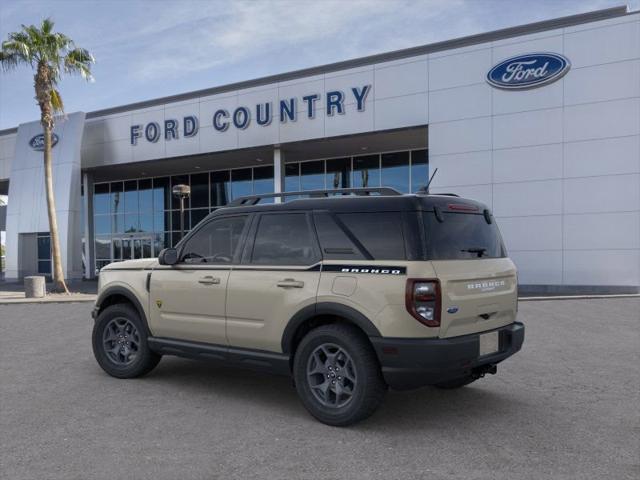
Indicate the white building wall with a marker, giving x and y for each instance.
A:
(559, 164)
(27, 207)
(7, 152)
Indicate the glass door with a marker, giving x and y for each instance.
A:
(132, 247)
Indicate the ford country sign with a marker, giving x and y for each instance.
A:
(37, 142)
(528, 71)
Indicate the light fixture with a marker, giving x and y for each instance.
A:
(259, 160)
(364, 148)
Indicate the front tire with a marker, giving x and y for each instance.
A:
(120, 343)
(337, 375)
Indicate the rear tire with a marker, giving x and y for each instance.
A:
(337, 375)
(120, 343)
(456, 383)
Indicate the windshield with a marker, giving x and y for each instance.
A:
(462, 236)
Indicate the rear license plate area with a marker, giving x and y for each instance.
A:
(489, 343)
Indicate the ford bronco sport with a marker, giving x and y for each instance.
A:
(349, 292)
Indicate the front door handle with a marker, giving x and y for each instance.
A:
(209, 280)
(290, 283)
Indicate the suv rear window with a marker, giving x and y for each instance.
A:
(462, 236)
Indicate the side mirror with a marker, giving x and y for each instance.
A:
(168, 256)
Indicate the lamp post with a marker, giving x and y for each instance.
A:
(182, 192)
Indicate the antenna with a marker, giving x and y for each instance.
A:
(426, 189)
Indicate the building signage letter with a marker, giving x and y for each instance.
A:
(135, 134)
(288, 110)
(335, 101)
(310, 100)
(190, 126)
(152, 132)
(170, 129)
(219, 125)
(360, 96)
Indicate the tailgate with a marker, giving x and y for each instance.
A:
(477, 295)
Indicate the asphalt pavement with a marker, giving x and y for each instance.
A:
(567, 406)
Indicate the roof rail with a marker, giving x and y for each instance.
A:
(254, 199)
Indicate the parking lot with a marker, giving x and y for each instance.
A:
(566, 407)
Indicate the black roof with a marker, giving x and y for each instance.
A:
(360, 203)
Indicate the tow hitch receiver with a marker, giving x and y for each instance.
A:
(483, 370)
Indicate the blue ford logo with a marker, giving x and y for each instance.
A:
(452, 310)
(37, 142)
(528, 71)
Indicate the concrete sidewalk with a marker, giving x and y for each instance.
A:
(81, 291)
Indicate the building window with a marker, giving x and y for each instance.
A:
(366, 171)
(395, 171)
(419, 169)
(338, 173)
(312, 175)
(241, 182)
(292, 177)
(220, 188)
(44, 253)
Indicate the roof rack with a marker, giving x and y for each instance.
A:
(254, 199)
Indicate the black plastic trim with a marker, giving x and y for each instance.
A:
(260, 360)
(118, 290)
(325, 308)
(415, 362)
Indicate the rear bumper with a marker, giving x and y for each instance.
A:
(415, 362)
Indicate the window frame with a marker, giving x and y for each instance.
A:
(252, 233)
(204, 224)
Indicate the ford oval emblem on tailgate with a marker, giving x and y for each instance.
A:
(452, 310)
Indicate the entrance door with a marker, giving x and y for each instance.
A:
(132, 248)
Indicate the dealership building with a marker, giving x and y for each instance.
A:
(541, 122)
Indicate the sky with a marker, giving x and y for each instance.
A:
(149, 49)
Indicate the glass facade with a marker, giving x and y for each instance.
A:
(138, 218)
(406, 171)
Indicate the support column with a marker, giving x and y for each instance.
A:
(87, 200)
(278, 172)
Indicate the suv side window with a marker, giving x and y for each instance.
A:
(334, 239)
(284, 239)
(380, 233)
(216, 242)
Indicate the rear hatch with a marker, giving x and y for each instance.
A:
(478, 282)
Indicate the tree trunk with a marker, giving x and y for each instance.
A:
(59, 284)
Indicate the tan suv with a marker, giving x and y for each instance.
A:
(348, 291)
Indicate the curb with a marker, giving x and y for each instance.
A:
(577, 297)
(21, 301)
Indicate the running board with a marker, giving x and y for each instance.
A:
(259, 360)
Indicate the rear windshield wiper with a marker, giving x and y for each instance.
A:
(477, 250)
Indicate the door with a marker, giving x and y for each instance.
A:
(187, 300)
(279, 275)
(131, 247)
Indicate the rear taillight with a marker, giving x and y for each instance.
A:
(423, 301)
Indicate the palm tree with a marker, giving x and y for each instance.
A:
(50, 55)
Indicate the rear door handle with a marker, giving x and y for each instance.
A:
(209, 280)
(290, 283)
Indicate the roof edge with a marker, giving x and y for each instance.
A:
(469, 40)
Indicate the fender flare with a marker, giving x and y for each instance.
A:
(326, 308)
(122, 291)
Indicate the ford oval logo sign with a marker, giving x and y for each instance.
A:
(528, 71)
(37, 142)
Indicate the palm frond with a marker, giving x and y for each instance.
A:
(47, 26)
(56, 101)
(79, 61)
